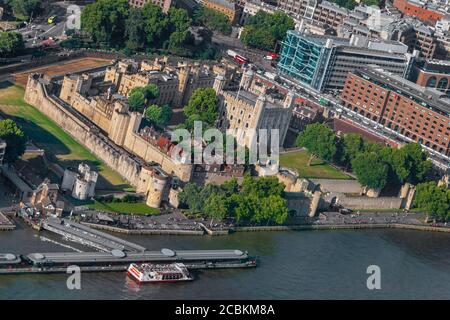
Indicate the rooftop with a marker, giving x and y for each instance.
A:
(355, 43)
(425, 96)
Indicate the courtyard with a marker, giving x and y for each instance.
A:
(318, 169)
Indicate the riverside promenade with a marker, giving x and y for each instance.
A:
(375, 220)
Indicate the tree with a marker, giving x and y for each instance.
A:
(262, 187)
(418, 164)
(25, 7)
(264, 29)
(433, 199)
(151, 91)
(136, 101)
(156, 24)
(157, 115)
(202, 106)
(351, 145)
(213, 20)
(371, 170)
(105, 21)
(135, 30)
(15, 140)
(319, 140)
(216, 207)
(11, 43)
(274, 208)
(190, 197)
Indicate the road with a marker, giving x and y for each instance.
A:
(39, 30)
(367, 124)
(255, 56)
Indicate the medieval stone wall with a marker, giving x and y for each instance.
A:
(113, 156)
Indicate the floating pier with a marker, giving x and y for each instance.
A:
(57, 262)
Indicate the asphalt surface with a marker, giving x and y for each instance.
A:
(39, 30)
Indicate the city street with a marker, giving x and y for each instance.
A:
(40, 30)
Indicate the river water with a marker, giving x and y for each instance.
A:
(292, 265)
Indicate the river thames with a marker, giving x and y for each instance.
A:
(292, 265)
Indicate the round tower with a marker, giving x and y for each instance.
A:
(145, 177)
(157, 188)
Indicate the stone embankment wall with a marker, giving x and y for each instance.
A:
(81, 130)
(340, 186)
(363, 202)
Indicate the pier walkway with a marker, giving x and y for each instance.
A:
(83, 234)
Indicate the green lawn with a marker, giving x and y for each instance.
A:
(59, 146)
(123, 207)
(319, 169)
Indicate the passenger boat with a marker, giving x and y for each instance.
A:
(147, 272)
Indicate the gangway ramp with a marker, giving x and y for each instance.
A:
(88, 236)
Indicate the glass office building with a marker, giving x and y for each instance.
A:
(323, 63)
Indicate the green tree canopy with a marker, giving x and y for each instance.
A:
(213, 20)
(264, 29)
(135, 30)
(15, 140)
(11, 43)
(258, 200)
(25, 8)
(105, 21)
(216, 206)
(351, 145)
(319, 140)
(371, 170)
(159, 116)
(136, 100)
(433, 199)
(202, 106)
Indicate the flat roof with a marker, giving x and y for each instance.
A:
(179, 255)
(431, 98)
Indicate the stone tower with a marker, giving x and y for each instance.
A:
(157, 188)
(246, 80)
(184, 73)
(219, 83)
(119, 123)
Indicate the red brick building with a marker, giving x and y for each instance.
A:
(419, 10)
(433, 74)
(418, 113)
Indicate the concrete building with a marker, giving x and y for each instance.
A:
(320, 11)
(433, 74)
(252, 107)
(324, 62)
(163, 4)
(375, 23)
(80, 183)
(2, 150)
(417, 113)
(228, 8)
